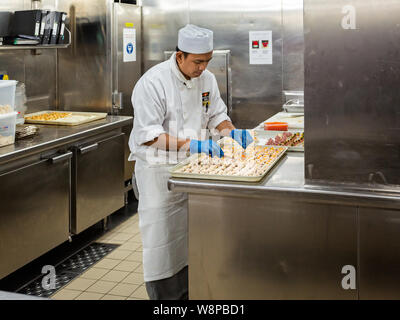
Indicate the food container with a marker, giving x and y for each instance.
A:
(7, 128)
(7, 93)
(294, 106)
(276, 126)
(20, 102)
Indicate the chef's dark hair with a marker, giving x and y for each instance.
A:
(185, 54)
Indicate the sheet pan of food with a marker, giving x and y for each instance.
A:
(66, 118)
(250, 165)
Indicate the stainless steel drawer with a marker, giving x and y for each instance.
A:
(34, 209)
(97, 181)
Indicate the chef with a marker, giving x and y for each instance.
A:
(174, 103)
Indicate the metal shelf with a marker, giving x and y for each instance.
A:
(31, 47)
(38, 46)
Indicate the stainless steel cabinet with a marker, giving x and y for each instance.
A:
(379, 253)
(261, 248)
(97, 180)
(34, 208)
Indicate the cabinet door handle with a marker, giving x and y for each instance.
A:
(61, 157)
(83, 150)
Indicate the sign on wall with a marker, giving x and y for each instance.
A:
(129, 44)
(260, 47)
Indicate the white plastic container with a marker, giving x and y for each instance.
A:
(20, 102)
(7, 93)
(7, 128)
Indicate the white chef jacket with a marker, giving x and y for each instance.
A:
(164, 101)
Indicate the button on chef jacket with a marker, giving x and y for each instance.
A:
(164, 101)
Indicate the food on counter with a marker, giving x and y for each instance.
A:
(276, 126)
(68, 118)
(5, 109)
(49, 116)
(25, 131)
(252, 162)
(288, 139)
(6, 140)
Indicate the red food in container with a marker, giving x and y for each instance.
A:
(276, 126)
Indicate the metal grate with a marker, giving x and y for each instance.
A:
(69, 269)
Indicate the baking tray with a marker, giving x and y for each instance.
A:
(90, 116)
(264, 135)
(221, 177)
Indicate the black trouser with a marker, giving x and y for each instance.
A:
(173, 288)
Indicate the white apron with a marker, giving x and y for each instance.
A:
(162, 222)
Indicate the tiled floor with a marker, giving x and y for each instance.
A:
(118, 276)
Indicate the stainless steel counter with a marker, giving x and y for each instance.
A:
(50, 136)
(282, 239)
(65, 177)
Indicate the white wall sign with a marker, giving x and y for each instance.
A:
(129, 44)
(260, 47)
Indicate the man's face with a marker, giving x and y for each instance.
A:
(194, 64)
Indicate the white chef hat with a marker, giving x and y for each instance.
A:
(193, 39)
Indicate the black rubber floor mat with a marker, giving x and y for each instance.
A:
(69, 269)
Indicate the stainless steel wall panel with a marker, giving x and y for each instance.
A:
(13, 62)
(161, 22)
(40, 80)
(379, 253)
(351, 93)
(256, 89)
(264, 248)
(84, 73)
(293, 45)
(7, 5)
(37, 71)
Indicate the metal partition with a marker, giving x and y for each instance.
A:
(352, 96)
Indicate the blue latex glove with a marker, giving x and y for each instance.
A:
(207, 146)
(243, 137)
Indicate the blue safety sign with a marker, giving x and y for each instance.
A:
(129, 48)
